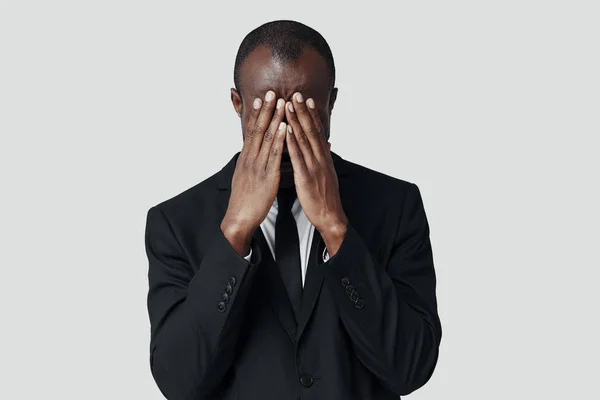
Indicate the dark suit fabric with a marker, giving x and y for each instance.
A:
(368, 328)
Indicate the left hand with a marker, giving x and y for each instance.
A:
(315, 178)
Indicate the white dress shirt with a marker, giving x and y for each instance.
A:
(306, 231)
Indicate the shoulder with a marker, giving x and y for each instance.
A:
(192, 201)
(378, 184)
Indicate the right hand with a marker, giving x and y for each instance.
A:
(256, 178)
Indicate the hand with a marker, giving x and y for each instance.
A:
(314, 173)
(257, 173)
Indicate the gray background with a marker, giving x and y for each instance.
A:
(490, 107)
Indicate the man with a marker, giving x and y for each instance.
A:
(291, 273)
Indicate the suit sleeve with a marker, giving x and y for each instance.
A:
(195, 313)
(390, 312)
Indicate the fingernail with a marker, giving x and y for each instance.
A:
(299, 98)
(279, 103)
(270, 95)
(289, 128)
(310, 103)
(281, 125)
(257, 103)
(290, 107)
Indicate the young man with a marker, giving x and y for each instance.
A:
(291, 273)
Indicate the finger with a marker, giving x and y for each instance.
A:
(296, 156)
(254, 111)
(301, 140)
(271, 133)
(314, 114)
(274, 161)
(311, 130)
(256, 130)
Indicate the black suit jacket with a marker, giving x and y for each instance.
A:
(223, 327)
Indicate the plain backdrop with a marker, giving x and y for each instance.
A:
(491, 107)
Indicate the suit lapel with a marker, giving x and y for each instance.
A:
(268, 274)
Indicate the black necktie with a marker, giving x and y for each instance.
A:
(287, 247)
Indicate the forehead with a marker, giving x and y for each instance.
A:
(261, 72)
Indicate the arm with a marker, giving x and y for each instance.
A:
(193, 328)
(390, 312)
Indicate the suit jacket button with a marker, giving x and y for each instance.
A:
(221, 307)
(359, 303)
(306, 380)
(354, 296)
(349, 289)
(225, 298)
(232, 280)
(228, 289)
(345, 281)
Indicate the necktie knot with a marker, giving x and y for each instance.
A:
(285, 198)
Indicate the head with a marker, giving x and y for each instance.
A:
(286, 57)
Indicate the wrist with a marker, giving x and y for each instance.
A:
(238, 235)
(333, 236)
(236, 226)
(335, 227)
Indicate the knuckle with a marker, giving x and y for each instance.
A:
(268, 136)
(249, 132)
(311, 131)
(302, 137)
(257, 129)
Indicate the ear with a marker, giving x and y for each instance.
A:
(237, 102)
(332, 98)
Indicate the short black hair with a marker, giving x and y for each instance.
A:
(286, 39)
